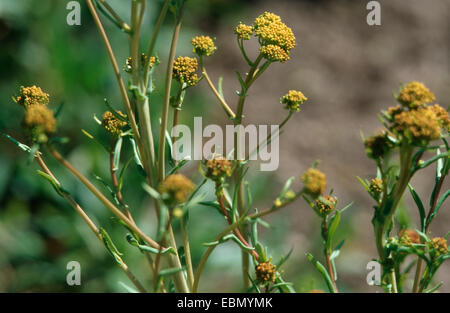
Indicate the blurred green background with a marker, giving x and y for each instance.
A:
(347, 69)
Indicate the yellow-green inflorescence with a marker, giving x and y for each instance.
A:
(203, 45)
(31, 96)
(218, 168)
(176, 188)
(113, 124)
(378, 145)
(438, 246)
(315, 182)
(243, 31)
(415, 94)
(265, 272)
(293, 99)
(414, 120)
(408, 237)
(184, 69)
(325, 205)
(39, 120)
(376, 186)
(276, 39)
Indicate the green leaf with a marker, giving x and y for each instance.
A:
(108, 187)
(170, 271)
(364, 184)
(420, 206)
(433, 289)
(122, 172)
(261, 252)
(337, 250)
(219, 87)
(235, 193)
(278, 285)
(137, 158)
(287, 185)
(108, 16)
(284, 258)
(334, 223)
(132, 241)
(58, 188)
(423, 236)
(432, 160)
(438, 205)
(17, 143)
(108, 149)
(179, 165)
(346, 207)
(243, 92)
(249, 196)
(117, 151)
(110, 246)
(322, 271)
(226, 238)
(283, 286)
(254, 285)
(128, 288)
(254, 231)
(152, 192)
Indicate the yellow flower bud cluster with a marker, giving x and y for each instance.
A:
(438, 246)
(113, 124)
(177, 188)
(203, 45)
(408, 237)
(218, 168)
(265, 272)
(276, 39)
(293, 99)
(315, 182)
(32, 95)
(414, 120)
(39, 119)
(243, 31)
(184, 69)
(325, 205)
(414, 95)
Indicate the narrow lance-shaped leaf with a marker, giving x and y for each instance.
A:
(131, 240)
(322, 271)
(58, 188)
(226, 238)
(334, 223)
(117, 151)
(439, 204)
(420, 207)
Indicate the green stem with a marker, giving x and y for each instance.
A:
(151, 46)
(222, 101)
(113, 13)
(240, 195)
(166, 103)
(187, 253)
